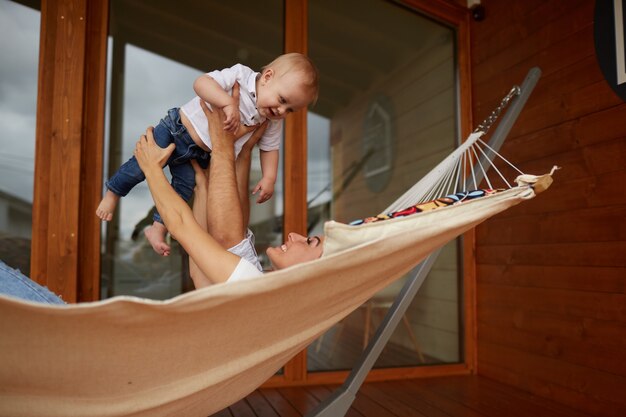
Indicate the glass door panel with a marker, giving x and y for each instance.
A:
(386, 115)
(156, 50)
(18, 107)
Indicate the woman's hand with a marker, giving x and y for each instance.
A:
(219, 136)
(149, 155)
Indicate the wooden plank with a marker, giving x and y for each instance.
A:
(384, 374)
(551, 391)
(441, 10)
(609, 280)
(260, 405)
(522, 333)
(593, 192)
(568, 107)
(602, 125)
(300, 399)
(602, 224)
(474, 400)
(45, 97)
(368, 407)
(511, 12)
(241, 409)
(600, 386)
(597, 254)
(603, 159)
(606, 333)
(541, 404)
(561, 43)
(568, 55)
(420, 389)
(582, 304)
(222, 413)
(92, 151)
(295, 157)
(532, 322)
(279, 403)
(551, 274)
(526, 18)
(69, 148)
(405, 394)
(468, 396)
(321, 392)
(62, 104)
(561, 80)
(66, 151)
(569, 135)
(592, 331)
(489, 402)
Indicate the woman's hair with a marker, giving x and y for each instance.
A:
(297, 62)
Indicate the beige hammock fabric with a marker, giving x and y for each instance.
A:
(202, 351)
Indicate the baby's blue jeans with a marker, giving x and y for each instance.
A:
(169, 130)
(15, 284)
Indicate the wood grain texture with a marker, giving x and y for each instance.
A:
(551, 273)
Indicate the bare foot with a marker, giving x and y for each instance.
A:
(107, 206)
(156, 236)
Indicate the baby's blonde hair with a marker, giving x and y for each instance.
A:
(298, 62)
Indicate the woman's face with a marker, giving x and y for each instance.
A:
(295, 250)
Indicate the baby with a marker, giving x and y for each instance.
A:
(287, 84)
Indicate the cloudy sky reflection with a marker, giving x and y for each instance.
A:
(153, 84)
(19, 46)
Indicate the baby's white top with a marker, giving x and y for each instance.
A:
(248, 113)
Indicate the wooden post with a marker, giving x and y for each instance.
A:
(92, 149)
(295, 156)
(69, 109)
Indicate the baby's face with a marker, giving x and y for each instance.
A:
(277, 96)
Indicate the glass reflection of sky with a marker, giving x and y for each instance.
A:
(153, 84)
(19, 26)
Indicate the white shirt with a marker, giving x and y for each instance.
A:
(248, 113)
(244, 271)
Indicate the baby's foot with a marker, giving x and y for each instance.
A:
(156, 236)
(107, 206)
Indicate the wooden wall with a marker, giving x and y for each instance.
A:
(551, 289)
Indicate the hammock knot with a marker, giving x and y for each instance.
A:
(539, 183)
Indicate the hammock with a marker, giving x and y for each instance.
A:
(197, 353)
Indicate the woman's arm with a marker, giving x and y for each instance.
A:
(200, 194)
(216, 263)
(243, 171)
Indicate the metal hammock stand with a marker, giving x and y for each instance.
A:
(339, 402)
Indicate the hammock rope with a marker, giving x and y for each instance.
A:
(444, 179)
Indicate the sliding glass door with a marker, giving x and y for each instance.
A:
(386, 115)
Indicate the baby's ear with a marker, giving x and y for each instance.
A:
(267, 75)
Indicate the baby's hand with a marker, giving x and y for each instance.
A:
(266, 186)
(231, 122)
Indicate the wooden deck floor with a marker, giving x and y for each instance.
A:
(463, 396)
